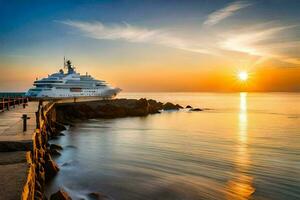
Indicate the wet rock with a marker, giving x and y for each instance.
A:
(60, 195)
(155, 106)
(196, 109)
(188, 106)
(55, 152)
(55, 147)
(70, 112)
(59, 127)
(178, 106)
(69, 163)
(71, 147)
(38, 186)
(38, 195)
(53, 137)
(138, 108)
(171, 106)
(51, 167)
(98, 196)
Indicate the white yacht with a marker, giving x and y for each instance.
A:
(70, 85)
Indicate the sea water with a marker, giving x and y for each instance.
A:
(242, 146)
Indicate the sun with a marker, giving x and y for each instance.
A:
(243, 76)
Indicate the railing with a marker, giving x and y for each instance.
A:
(11, 94)
(12, 102)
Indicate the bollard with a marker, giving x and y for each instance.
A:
(37, 118)
(24, 117)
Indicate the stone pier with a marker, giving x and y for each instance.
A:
(14, 147)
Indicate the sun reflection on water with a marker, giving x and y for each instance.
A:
(240, 187)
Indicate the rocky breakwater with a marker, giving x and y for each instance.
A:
(68, 112)
(41, 165)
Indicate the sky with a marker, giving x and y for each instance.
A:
(154, 46)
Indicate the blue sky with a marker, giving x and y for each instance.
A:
(117, 33)
(26, 23)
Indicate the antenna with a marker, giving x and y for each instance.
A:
(64, 62)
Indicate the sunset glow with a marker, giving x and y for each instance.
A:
(243, 76)
(150, 99)
(198, 47)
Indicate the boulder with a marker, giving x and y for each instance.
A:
(98, 196)
(51, 167)
(60, 195)
(196, 109)
(188, 106)
(178, 106)
(59, 127)
(113, 108)
(139, 108)
(110, 111)
(55, 152)
(170, 106)
(55, 147)
(154, 106)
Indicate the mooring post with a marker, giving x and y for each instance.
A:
(23, 102)
(37, 119)
(24, 117)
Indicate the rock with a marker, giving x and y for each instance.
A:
(61, 134)
(188, 106)
(97, 196)
(56, 147)
(60, 195)
(53, 137)
(178, 106)
(71, 147)
(70, 163)
(195, 109)
(170, 106)
(154, 106)
(59, 127)
(55, 152)
(140, 108)
(51, 167)
(38, 195)
(71, 112)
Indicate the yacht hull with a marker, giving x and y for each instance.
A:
(60, 94)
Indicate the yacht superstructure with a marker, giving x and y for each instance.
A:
(70, 85)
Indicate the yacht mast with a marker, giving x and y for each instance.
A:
(64, 61)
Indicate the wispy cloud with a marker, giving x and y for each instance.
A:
(226, 12)
(263, 41)
(134, 34)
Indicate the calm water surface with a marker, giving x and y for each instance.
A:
(244, 146)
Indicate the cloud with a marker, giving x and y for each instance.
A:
(134, 34)
(264, 41)
(226, 12)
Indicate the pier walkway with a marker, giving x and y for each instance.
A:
(14, 143)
